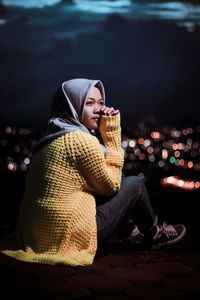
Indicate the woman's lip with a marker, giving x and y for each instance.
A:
(96, 118)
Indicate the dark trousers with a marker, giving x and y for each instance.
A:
(132, 199)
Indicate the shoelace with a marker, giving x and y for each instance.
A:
(167, 230)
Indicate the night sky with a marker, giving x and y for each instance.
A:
(146, 54)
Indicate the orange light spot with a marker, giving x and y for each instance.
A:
(181, 162)
(142, 156)
(150, 149)
(190, 164)
(175, 146)
(155, 135)
(140, 141)
(177, 154)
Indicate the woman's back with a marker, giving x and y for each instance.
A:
(54, 203)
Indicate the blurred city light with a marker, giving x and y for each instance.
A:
(175, 181)
(145, 149)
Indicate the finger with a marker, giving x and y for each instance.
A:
(102, 109)
(110, 110)
(106, 110)
(115, 112)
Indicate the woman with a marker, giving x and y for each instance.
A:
(75, 195)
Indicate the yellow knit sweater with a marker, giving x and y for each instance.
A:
(57, 219)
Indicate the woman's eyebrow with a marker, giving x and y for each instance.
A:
(95, 99)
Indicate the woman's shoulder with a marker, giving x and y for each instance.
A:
(80, 134)
(83, 138)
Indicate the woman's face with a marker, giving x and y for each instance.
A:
(91, 112)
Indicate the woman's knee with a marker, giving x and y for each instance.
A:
(131, 184)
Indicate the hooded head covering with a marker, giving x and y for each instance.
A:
(67, 107)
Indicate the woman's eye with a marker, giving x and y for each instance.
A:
(101, 103)
(89, 102)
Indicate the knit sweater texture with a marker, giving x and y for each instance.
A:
(57, 217)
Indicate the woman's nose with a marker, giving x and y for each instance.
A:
(97, 109)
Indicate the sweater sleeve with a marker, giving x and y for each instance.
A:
(102, 173)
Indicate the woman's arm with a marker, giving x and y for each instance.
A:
(110, 131)
(102, 173)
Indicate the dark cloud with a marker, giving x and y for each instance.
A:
(147, 67)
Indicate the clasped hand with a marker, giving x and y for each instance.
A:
(108, 111)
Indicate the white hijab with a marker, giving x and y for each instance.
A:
(67, 107)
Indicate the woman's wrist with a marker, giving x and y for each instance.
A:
(109, 123)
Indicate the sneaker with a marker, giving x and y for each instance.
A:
(136, 239)
(168, 235)
(135, 236)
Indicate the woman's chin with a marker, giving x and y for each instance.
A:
(94, 126)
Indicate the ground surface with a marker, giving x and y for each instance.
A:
(119, 271)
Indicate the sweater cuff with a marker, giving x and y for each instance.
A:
(109, 123)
